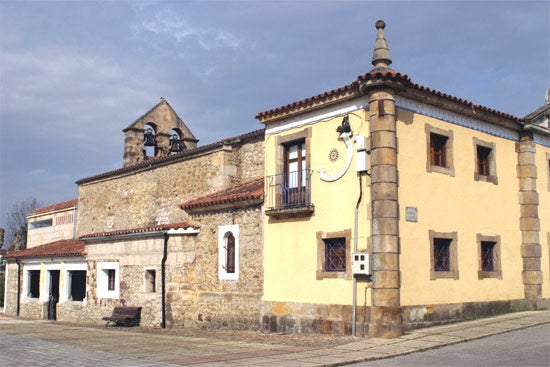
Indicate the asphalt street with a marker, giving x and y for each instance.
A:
(522, 348)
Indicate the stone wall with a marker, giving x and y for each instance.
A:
(225, 303)
(150, 195)
(10, 304)
(195, 297)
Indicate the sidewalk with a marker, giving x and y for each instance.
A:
(131, 347)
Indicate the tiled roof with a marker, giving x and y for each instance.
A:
(141, 230)
(160, 161)
(387, 74)
(251, 190)
(62, 248)
(58, 206)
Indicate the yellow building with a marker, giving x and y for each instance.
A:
(447, 202)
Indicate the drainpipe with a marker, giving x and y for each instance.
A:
(18, 303)
(355, 239)
(163, 279)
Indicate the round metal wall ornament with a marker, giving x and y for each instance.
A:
(333, 155)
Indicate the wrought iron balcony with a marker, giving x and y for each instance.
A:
(289, 194)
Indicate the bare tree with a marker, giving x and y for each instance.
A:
(17, 221)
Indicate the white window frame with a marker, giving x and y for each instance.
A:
(223, 231)
(103, 280)
(67, 291)
(27, 284)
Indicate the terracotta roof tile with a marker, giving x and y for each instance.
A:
(147, 229)
(378, 73)
(245, 191)
(58, 206)
(62, 248)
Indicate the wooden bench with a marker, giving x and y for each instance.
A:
(124, 316)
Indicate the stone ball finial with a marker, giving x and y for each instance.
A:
(380, 24)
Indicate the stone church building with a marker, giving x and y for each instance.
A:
(175, 231)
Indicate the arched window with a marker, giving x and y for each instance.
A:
(176, 141)
(150, 140)
(229, 253)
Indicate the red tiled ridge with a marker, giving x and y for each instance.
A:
(155, 228)
(247, 190)
(385, 73)
(58, 206)
(61, 248)
(462, 101)
(306, 101)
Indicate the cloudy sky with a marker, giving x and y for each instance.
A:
(73, 74)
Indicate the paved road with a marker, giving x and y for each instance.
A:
(41, 343)
(526, 348)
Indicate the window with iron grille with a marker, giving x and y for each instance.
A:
(489, 257)
(442, 254)
(335, 254)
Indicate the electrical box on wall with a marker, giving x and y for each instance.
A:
(360, 142)
(361, 161)
(360, 263)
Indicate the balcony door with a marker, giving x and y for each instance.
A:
(295, 174)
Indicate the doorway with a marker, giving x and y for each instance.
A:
(54, 294)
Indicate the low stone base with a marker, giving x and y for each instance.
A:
(415, 317)
(287, 317)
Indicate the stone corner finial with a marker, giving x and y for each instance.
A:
(381, 57)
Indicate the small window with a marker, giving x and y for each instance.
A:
(34, 284)
(548, 168)
(111, 277)
(485, 164)
(335, 254)
(439, 150)
(483, 155)
(77, 288)
(41, 223)
(150, 280)
(228, 252)
(108, 280)
(443, 256)
(489, 257)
